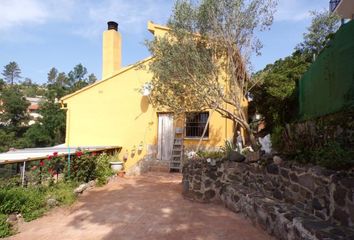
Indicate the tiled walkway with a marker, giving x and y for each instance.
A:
(145, 207)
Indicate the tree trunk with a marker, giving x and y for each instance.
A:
(252, 138)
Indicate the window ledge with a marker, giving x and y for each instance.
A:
(196, 138)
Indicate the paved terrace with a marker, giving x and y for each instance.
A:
(145, 207)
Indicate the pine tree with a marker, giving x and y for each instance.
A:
(11, 72)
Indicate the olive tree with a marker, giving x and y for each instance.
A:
(203, 61)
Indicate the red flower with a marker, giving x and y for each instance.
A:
(49, 157)
(41, 163)
(79, 153)
(93, 154)
(55, 154)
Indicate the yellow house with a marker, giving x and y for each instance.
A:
(113, 112)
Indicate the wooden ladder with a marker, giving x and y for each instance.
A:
(177, 150)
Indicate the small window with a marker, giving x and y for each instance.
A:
(195, 123)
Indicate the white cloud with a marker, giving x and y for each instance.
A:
(28, 13)
(84, 18)
(16, 13)
(132, 16)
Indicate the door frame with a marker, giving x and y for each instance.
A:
(160, 140)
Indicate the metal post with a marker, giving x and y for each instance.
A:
(68, 160)
(23, 173)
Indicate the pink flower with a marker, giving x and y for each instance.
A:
(41, 163)
(79, 153)
(49, 157)
(55, 154)
(34, 168)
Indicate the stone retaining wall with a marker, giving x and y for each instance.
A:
(289, 201)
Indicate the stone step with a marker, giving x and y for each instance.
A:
(159, 169)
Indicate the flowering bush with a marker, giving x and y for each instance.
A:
(82, 167)
(46, 169)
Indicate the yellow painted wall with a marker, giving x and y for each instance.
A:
(111, 53)
(112, 112)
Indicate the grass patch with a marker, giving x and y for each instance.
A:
(5, 228)
(31, 202)
(63, 192)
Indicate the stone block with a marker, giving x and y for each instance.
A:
(196, 186)
(307, 181)
(341, 216)
(278, 194)
(348, 182)
(318, 204)
(284, 173)
(293, 177)
(272, 169)
(339, 195)
(209, 195)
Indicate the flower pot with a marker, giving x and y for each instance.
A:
(116, 166)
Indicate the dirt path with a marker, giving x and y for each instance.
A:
(145, 207)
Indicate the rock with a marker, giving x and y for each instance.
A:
(185, 186)
(272, 169)
(92, 183)
(210, 194)
(12, 219)
(52, 202)
(253, 156)
(341, 216)
(340, 195)
(80, 189)
(348, 182)
(278, 194)
(236, 157)
(197, 185)
(316, 204)
(351, 212)
(307, 181)
(293, 177)
(277, 160)
(207, 183)
(284, 173)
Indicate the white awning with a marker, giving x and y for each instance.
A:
(32, 154)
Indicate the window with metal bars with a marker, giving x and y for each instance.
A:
(195, 124)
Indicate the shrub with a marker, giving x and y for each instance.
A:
(277, 137)
(5, 228)
(228, 148)
(10, 182)
(333, 156)
(86, 166)
(211, 154)
(82, 167)
(103, 170)
(30, 202)
(63, 192)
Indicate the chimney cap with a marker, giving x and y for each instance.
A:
(112, 25)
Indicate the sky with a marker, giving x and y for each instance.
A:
(41, 34)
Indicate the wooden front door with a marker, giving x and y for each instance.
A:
(165, 137)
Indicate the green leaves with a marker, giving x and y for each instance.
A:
(14, 106)
(324, 24)
(11, 72)
(202, 62)
(276, 95)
